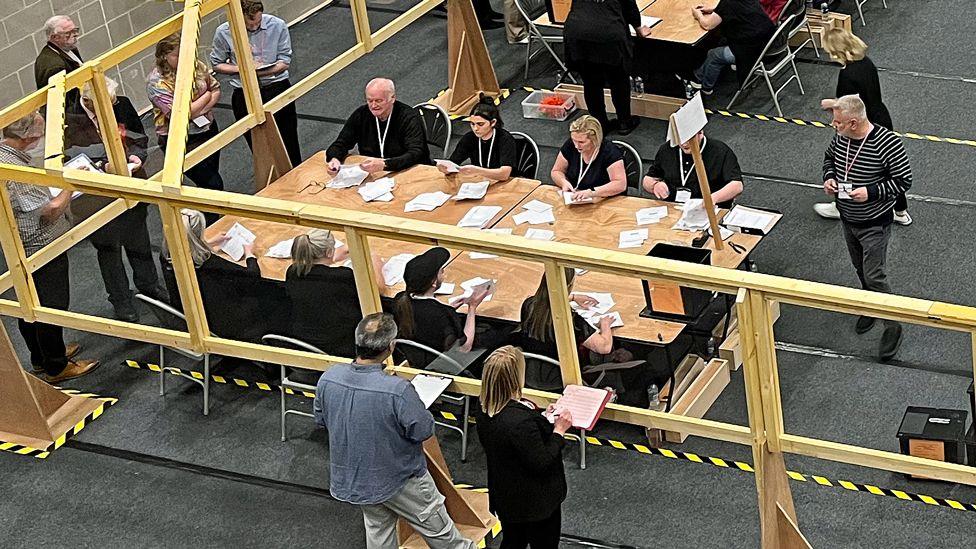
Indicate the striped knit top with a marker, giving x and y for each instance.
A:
(879, 163)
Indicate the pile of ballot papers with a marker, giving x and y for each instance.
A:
(427, 202)
(348, 176)
(593, 314)
(536, 213)
(379, 190)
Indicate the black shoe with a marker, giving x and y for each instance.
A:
(628, 126)
(864, 324)
(890, 341)
(610, 126)
(126, 313)
(490, 25)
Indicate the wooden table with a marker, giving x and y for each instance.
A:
(677, 23)
(598, 225)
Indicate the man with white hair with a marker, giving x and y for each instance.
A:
(59, 54)
(41, 219)
(387, 131)
(866, 168)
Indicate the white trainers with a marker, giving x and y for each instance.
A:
(902, 218)
(827, 210)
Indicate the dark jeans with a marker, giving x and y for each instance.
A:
(46, 341)
(595, 79)
(286, 119)
(543, 534)
(868, 247)
(206, 174)
(126, 231)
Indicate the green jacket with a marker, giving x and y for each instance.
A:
(51, 61)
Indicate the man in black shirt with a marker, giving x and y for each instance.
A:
(747, 29)
(389, 132)
(672, 171)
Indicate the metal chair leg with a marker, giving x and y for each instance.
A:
(860, 12)
(206, 384)
(582, 448)
(772, 92)
(813, 42)
(464, 428)
(528, 48)
(281, 388)
(796, 73)
(162, 371)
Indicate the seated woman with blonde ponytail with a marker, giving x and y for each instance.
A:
(324, 303)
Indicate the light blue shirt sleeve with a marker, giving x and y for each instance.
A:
(221, 51)
(319, 409)
(284, 43)
(415, 421)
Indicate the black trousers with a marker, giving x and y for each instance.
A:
(596, 77)
(286, 119)
(543, 534)
(46, 341)
(127, 231)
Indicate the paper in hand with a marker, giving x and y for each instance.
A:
(568, 199)
(451, 167)
(688, 120)
(237, 237)
(429, 387)
(349, 175)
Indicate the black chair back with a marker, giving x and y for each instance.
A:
(526, 156)
(634, 167)
(437, 126)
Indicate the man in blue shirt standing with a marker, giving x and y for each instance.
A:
(377, 425)
(271, 46)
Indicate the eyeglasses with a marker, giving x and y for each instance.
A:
(70, 33)
(317, 185)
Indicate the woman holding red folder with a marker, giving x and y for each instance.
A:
(526, 481)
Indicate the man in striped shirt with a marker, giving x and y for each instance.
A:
(866, 168)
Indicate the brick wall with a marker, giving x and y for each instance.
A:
(104, 24)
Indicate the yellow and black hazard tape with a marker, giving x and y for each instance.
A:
(42, 453)
(496, 528)
(497, 99)
(237, 382)
(818, 124)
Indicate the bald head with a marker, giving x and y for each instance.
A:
(380, 97)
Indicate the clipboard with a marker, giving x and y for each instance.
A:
(752, 230)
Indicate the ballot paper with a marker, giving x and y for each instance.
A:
(201, 121)
(473, 285)
(393, 269)
(281, 250)
(568, 199)
(427, 202)
(537, 206)
(633, 238)
(688, 120)
(429, 388)
(350, 175)
(237, 237)
(481, 255)
(540, 234)
(80, 162)
(585, 404)
(646, 216)
(472, 191)
(446, 288)
(534, 218)
(450, 166)
(479, 216)
(682, 196)
(604, 303)
(595, 320)
(748, 218)
(693, 217)
(378, 190)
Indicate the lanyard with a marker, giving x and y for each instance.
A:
(681, 164)
(491, 145)
(382, 138)
(584, 167)
(847, 154)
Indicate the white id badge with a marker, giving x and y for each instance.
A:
(844, 189)
(682, 196)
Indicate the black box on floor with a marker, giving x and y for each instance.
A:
(671, 302)
(934, 433)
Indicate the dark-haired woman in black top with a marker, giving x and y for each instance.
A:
(489, 147)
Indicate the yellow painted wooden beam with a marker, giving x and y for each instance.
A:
(179, 118)
(175, 232)
(362, 268)
(360, 19)
(562, 323)
(108, 125)
(77, 233)
(54, 123)
(245, 61)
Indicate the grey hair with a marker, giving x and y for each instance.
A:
(383, 83)
(88, 92)
(52, 25)
(851, 106)
(374, 334)
(28, 127)
(195, 223)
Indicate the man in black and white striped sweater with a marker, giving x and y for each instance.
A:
(866, 167)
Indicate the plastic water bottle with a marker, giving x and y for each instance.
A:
(653, 394)
(825, 8)
(633, 85)
(639, 86)
(689, 90)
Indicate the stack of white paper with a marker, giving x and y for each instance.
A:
(539, 234)
(427, 202)
(393, 269)
(647, 216)
(451, 166)
(281, 250)
(472, 191)
(741, 216)
(632, 239)
(568, 199)
(237, 237)
(476, 283)
(534, 218)
(348, 176)
(379, 190)
(479, 216)
(693, 217)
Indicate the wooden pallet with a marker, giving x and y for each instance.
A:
(648, 105)
(819, 25)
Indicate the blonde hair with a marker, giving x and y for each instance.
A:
(195, 223)
(502, 379)
(201, 72)
(306, 249)
(843, 46)
(88, 92)
(590, 126)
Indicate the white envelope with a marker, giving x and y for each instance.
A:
(537, 206)
(539, 234)
(479, 216)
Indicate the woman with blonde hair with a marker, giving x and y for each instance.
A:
(858, 76)
(161, 88)
(587, 166)
(322, 290)
(526, 480)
